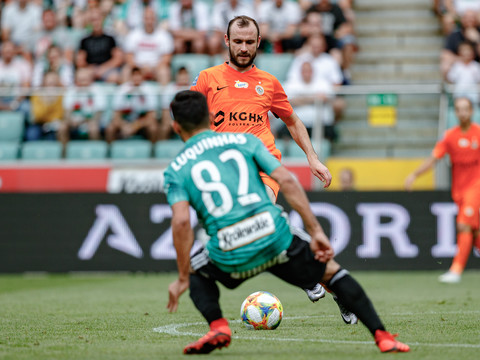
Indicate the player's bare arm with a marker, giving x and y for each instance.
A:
(300, 135)
(296, 197)
(423, 168)
(182, 240)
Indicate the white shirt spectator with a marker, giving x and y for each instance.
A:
(289, 13)
(148, 48)
(463, 5)
(466, 78)
(325, 68)
(197, 18)
(223, 12)
(134, 102)
(84, 102)
(22, 23)
(66, 73)
(311, 112)
(15, 74)
(131, 12)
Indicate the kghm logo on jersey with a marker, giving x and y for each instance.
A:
(237, 118)
(240, 84)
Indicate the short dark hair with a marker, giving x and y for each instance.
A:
(242, 21)
(190, 110)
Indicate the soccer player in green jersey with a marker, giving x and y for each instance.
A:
(218, 175)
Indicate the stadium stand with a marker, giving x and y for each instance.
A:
(41, 150)
(193, 62)
(275, 64)
(86, 150)
(167, 149)
(9, 150)
(11, 126)
(131, 150)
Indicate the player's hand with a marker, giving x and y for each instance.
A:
(409, 182)
(321, 247)
(321, 172)
(175, 290)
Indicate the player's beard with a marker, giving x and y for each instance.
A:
(233, 60)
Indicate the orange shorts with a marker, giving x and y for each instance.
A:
(272, 184)
(469, 208)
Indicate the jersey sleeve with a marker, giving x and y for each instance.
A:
(264, 159)
(200, 83)
(174, 188)
(440, 148)
(280, 105)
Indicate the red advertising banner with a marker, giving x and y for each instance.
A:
(101, 178)
(54, 178)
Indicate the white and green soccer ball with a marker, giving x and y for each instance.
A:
(261, 311)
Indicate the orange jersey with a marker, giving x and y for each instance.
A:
(240, 102)
(464, 151)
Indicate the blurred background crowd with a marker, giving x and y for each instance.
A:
(106, 69)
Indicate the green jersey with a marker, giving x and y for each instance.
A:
(218, 174)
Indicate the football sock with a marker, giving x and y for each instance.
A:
(205, 294)
(219, 323)
(352, 296)
(464, 247)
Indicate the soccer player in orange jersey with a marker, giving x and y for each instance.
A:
(462, 143)
(240, 96)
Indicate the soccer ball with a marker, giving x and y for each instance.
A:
(261, 311)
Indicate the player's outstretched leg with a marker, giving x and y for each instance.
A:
(219, 336)
(347, 316)
(318, 292)
(353, 297)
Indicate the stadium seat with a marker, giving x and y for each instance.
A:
(130, 149)
(193, 62)
(41, 150)
(11, 126)
(168, 149)
(217, 59)
(86, 150)
(9, 150)
(275, 64)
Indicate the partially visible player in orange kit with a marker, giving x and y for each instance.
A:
(240, 96)
(462, 143)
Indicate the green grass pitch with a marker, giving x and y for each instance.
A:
(113, 316)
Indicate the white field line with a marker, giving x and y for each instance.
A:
(175, 329)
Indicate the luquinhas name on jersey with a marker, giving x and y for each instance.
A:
(246, 231)
(197, 149)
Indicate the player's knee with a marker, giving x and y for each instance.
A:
(331, 269)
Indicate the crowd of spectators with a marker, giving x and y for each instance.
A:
(81, 47)
(460, 56)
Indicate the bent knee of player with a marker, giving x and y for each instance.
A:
(331, 269)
